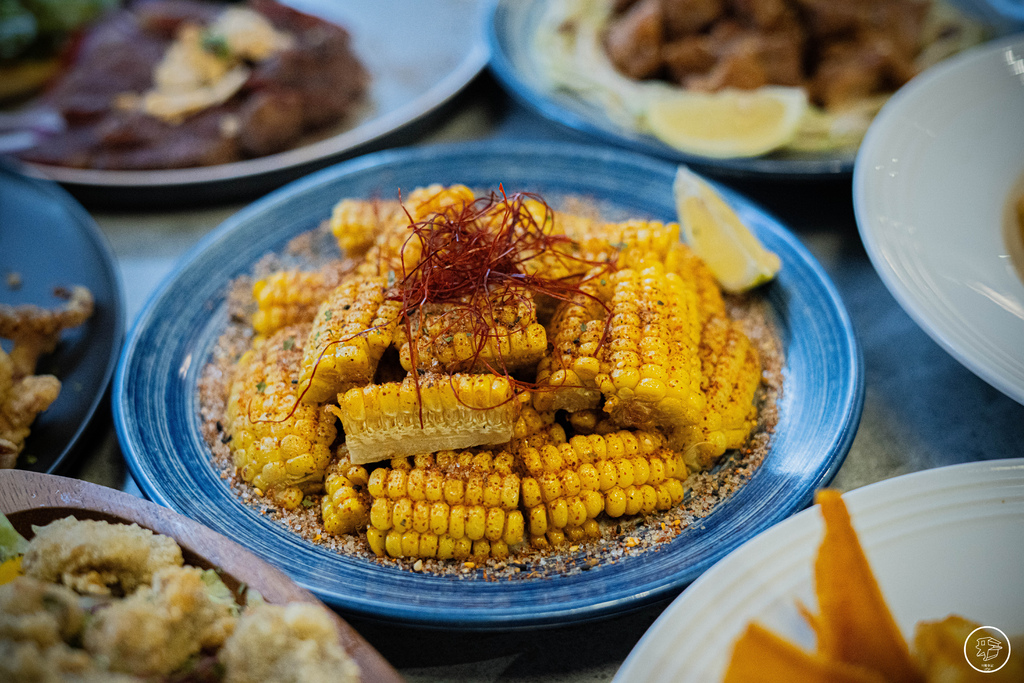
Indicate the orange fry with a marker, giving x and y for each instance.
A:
(854, 624)
(761, 656)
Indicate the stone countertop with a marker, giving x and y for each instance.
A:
(922, 408)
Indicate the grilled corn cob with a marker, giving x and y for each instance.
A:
(428, 414)
(287, 297)
(566, 485)
(278, 446)
(353, 327)
(695, 274)
(732, 371)
(641, 355)
(345, 507)
(357, 223)
(495, 336)
(453, 505)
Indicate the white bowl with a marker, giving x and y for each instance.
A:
(932, 187)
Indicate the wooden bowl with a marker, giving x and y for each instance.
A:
(32, 498)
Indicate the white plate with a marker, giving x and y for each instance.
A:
(931, 186)
(942, 541)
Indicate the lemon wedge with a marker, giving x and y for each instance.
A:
(717, 235)
(729, 123)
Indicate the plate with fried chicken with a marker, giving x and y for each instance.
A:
(61, 322)
(762, 88)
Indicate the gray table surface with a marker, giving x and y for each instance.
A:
(922, 408)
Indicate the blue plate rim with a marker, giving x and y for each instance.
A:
(754, 167)
(851, 400)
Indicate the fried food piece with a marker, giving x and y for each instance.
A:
(96, 557)
(939, 648)
(21, 399)
(36, 330)
(38, 611)
(156, 629)
(296, 643)
(27, 662)
(634, 39)
(760, 656)
(854, 624)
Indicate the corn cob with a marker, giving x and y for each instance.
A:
(345, 507)
(435, 412)
(278, 446)
(453, 505)
(497, 336)
(565, 375)
(566, 485)
(287, 297)
(696, 275)
(732, 371)
(353, 327)
(642, 355)
(358, 223)
(425, 203)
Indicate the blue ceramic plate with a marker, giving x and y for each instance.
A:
(156, 403)
(510, 35)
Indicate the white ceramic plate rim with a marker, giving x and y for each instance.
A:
(697, 630)
(977, 345)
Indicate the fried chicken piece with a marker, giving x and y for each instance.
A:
(21, 399)
(95, 557)
(849, 71)
(292, 643)
(36, 330)
(40, 612)
(155, 630)
(633, 40)
(765, 14)
(751, 59)
(686, 17)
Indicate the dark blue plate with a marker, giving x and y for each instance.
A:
(49, 240)
(513, 61)
(156, 403)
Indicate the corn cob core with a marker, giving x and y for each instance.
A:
(496, 335)
(353, 327)
(433, 413)
(280, 448)
(287, 297)
(449, 505)
(345, 507)
(357, 223)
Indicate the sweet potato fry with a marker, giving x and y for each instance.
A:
(854, 624)
(760, 655)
